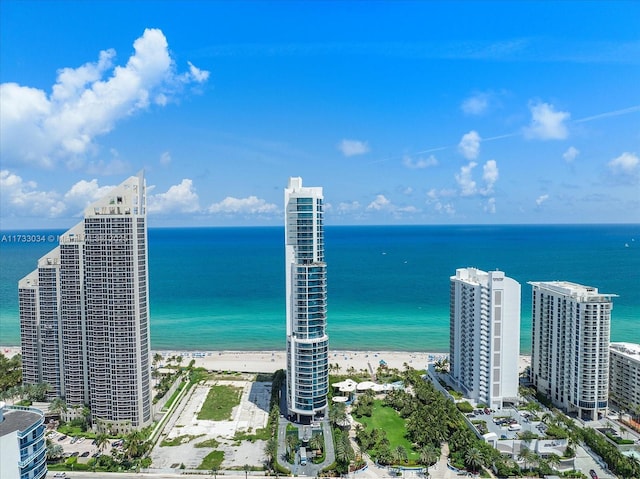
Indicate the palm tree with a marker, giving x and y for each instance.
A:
(553, 460)
(58, 406)
(214, 471)
(337, 414)
(246, 470)
(292, 444)
(134, 444)
(429, 455)
(473, 459)
(400, 454)
(317, 442)
(528, 457)
(101, 441)
(271, 450)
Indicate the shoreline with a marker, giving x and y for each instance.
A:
(270, 361)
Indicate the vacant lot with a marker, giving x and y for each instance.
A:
(220, 403)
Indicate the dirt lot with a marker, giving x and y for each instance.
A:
(251, 414)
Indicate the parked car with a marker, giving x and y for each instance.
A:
(593, 474)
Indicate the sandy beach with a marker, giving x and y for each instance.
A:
(270, 361)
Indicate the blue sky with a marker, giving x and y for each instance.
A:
(405, 112)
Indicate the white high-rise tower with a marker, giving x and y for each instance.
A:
(570, 346)
(306, 297)
(84, 312)
(485, 335)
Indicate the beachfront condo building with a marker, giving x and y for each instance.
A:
(84, 315)
(23, 450)
(570, 346)
(484, 336)
(624, 377)
(306, 302)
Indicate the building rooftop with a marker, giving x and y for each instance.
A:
(18, 420)
(630, 350)
(574, 290)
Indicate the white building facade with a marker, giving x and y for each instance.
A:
(84, 313)
(484, 340)
(624, 377)
(570, 346)
(306, 302)
(23, 451)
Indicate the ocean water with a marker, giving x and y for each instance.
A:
(388, 286)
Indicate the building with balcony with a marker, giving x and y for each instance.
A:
(624, 377)
(84, 315)
(484, 340)
(570, 346)
(306, 302)
(23, 450)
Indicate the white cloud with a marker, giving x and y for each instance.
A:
(419, 163)
(469, 145)
(345, 207)
(465, 181)
(251, 206)
(83, 193)
(165, 158)
(353, 147)
(490, 175)
(180, 198)
(446, 208)
(380, 203)
(490, 207)
(571, 154)
(476, 104)
(198, 75)
(541, 199)
(22, 198)
(625, 164)
(547, 123)
(42, 129)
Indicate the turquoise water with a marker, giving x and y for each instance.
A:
(223, 288)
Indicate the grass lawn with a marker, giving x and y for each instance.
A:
(211, 460)
(176, 441)
(220, 403)
(387, 419)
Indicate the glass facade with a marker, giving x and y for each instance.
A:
(306, 278)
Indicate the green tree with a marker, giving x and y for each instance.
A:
(429, 455)
(337, 414)
(58, 406)
(400, 454)
(317, 442)
(54, 451)
(473, 459)
(102, 440)
(292, 445)
(271, 451)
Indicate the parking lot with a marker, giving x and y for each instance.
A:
(80, 447)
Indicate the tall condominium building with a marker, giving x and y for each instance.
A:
(570, 346)
(485, 335)
(84, 316)
(23, 451)
(624, 377)
(306, 297)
